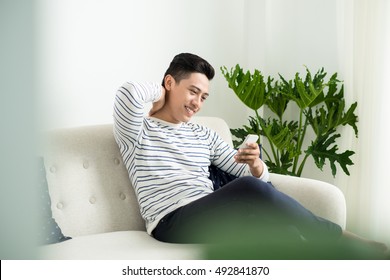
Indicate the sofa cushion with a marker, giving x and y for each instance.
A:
(49, 231)
(120, 245)
(86, 174)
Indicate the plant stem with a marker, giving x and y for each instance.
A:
(266, 153)
(276, 158)
(300, 138)
(298, 142)
(300, 169)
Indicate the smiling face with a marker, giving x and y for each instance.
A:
(184, 98)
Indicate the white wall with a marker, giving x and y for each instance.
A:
(88, 48)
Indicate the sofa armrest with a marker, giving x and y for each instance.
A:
(321, 198)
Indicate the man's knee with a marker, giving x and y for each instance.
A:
(254, 185)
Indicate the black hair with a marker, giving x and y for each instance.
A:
(185, 64)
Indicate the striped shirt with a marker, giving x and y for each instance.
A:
(167, 163)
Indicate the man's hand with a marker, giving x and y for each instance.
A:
(158, 104)
(251, 156)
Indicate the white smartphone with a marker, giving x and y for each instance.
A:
(250, 138)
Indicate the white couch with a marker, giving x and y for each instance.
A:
(94, 203)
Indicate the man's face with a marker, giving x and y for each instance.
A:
(186, 98)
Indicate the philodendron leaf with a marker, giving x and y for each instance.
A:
(333, 95)
(286, 164)
(328, 119)
(277, 103)
(249, 88)
(308, 91)
(282, 136)
(325, 148)
(350, 118)
(305, 93)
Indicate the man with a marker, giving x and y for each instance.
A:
(167, 158)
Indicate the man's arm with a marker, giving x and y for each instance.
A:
(129, 108)
(157, 105)
(245, 162)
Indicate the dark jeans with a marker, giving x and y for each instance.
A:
(246, 209)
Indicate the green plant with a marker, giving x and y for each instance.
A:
(320, 105)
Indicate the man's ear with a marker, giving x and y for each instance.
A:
(168, 81)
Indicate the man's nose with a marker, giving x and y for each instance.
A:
(197, 101)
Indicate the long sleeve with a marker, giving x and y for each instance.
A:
(223, 158)
(129, 107)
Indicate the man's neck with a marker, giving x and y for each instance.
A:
(164, 116)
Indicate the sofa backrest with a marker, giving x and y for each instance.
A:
(88, 183)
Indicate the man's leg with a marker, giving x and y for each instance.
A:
(247, 207)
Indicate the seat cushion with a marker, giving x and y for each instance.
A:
(120, 245)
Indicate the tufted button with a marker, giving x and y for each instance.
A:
(122, 196)
(60, 205)
(53, 169)
(92, 200)
(85, 164)
(117, 161)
